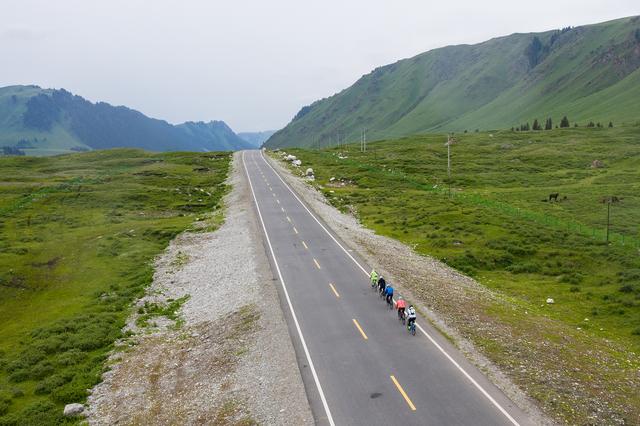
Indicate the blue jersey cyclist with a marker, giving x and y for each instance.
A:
(389, 294)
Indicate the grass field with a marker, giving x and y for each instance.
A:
(78, 235)
(487, 229)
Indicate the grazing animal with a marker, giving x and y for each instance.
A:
(553, 196)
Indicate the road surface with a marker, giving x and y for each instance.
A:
(359, 365)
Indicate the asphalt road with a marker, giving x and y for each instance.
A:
(359, 364)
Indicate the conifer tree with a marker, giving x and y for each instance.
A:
(564, 122)
(536, 125)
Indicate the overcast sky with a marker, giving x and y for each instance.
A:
(250, 63)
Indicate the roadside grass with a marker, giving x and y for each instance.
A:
(578, 356)
(78, 236)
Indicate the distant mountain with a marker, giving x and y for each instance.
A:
(256, 138)
(218, 131)
(587, 73)
(47, 121)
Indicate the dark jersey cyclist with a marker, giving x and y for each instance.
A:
(382, 284)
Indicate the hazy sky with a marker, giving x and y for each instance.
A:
(250, 63)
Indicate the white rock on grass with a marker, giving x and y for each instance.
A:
(71, 410)
(550, 301)
(309, 172)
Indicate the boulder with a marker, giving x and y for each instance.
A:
(332, 179)
(597, 164)
(550, 301)
(309, 172)
(291, 157)
(296, 163)
(72, 410)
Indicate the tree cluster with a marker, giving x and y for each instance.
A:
(548, 125)
(12, 150)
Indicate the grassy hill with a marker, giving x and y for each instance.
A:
(46, 121)
(499, 227)
(78, 236)
(587, 73)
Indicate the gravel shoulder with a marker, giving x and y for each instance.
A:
(226, 356)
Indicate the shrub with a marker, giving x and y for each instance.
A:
(627, 288)
(524, 268)
(69, 393)
(52, 382)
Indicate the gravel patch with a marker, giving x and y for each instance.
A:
(229, 357)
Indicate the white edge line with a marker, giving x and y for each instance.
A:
(315, 218)
(471, 379)
(286, 293)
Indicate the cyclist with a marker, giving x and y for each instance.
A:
(411, 316)
(374, 278)
(401, 305)
(389, 295)
(381, 285)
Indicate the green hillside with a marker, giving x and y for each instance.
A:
(587, 73)
(39, 121)
(78, 237)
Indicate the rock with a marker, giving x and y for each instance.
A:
(71, 410)
(597, 164)
(332, 178)
(550, 301)
(297, 163)
(309, 172)
(291, 158)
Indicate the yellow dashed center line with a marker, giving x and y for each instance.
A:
(305, 245)
(278, 201)
(288, 219)
(295, 230)
(403, 393)
(317, 264)
(334, 290)
(282, 208)
(360, 329)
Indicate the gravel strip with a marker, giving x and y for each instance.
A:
(232, 359)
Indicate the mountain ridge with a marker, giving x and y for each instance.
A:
(499, 83)
(54, 121)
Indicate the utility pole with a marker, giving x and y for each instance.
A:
(364, 137)
(450, 141)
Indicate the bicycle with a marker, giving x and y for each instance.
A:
(401, 316)
(412, 328)
(390, 301)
